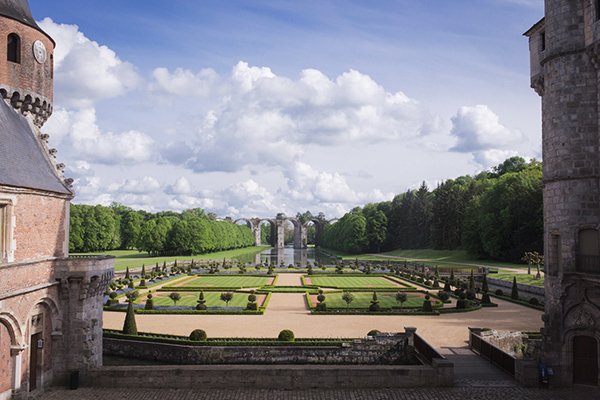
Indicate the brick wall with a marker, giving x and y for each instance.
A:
(40, 230)
(5, 371)
(28, 74)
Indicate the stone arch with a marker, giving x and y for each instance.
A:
(569, 350)
(8, 319)
(319, 227)
(51, 305)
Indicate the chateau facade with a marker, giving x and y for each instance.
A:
(565, 63)
(50, 304)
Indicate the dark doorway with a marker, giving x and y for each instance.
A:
(585, 360)
(33, 361)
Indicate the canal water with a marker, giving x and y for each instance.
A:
(287, 255)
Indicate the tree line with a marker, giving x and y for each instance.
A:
(100, 228)
(496, 214)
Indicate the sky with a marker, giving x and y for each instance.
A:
(251, 108)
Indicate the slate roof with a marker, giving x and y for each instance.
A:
(22, 161)
(19, 10)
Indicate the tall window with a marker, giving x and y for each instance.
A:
(2, 233)
(13, 48)
(588, 257)
(543, 40)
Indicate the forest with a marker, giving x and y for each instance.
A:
(497, 214)
(99, 228)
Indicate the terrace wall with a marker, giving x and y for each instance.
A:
(270, 376)
(387, 349)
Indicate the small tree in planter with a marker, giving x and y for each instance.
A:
(201, 306)
(226, 297)
(374, 303)
(129, 326)
(427, 303)
(401, 297)
(348, 298)
(251, 302)
(112, 298)
(175, 297)
(271, 270)
(443, 296)
(149, 303)
(514, 294)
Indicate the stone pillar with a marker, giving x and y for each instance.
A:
(410, 331)
(257, 235)
(16, 353)
(280, 234)
(300, 236)
(82, 285)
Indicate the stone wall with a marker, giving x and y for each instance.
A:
(389, 349)
(524, 290)
(271, 376)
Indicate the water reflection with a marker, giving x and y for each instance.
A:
(287, 255)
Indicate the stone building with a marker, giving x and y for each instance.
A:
(50, 304)
(565, 61)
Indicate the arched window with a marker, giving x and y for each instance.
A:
(14, 48)
(588, 257)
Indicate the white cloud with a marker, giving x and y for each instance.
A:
(145, 185)
(84, 71)
(182, 83)
(479, 132)
(268, 120)
(91, 144)
(182, 186)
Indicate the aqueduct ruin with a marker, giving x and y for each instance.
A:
(277, 229)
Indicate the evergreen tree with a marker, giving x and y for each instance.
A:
(129, 326)
(514, 294)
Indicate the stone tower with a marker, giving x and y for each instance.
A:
(50, 303)
(565, 60)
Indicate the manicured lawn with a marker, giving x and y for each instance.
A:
(190, 299)
(228, 281)
(521, 278)
(351, 281)
(135, 259)
(436, 257)
(363, 300)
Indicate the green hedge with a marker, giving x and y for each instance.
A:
(366, 312)
(458, 310)
(260, 311)
(520, 302)
(183, 340)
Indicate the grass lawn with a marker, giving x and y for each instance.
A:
(190, 299)
(228, 281)
(351, 281)
(521, 278)
(363, 300)
(441, 258)
(135, 259)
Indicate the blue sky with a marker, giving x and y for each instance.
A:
(249, 108)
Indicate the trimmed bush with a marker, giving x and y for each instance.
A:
(129, 326)
(373, 332)
(499, 292)
(321, 307)
(198, 335)
(321, 298)
(534, 301)
(149, 303)
(514, 293)
(485, 299)
(443, 296)
(462, 304)
(286, 336)
(251, 306)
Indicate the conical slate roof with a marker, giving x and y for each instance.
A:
(22, 159)
(19, 10)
